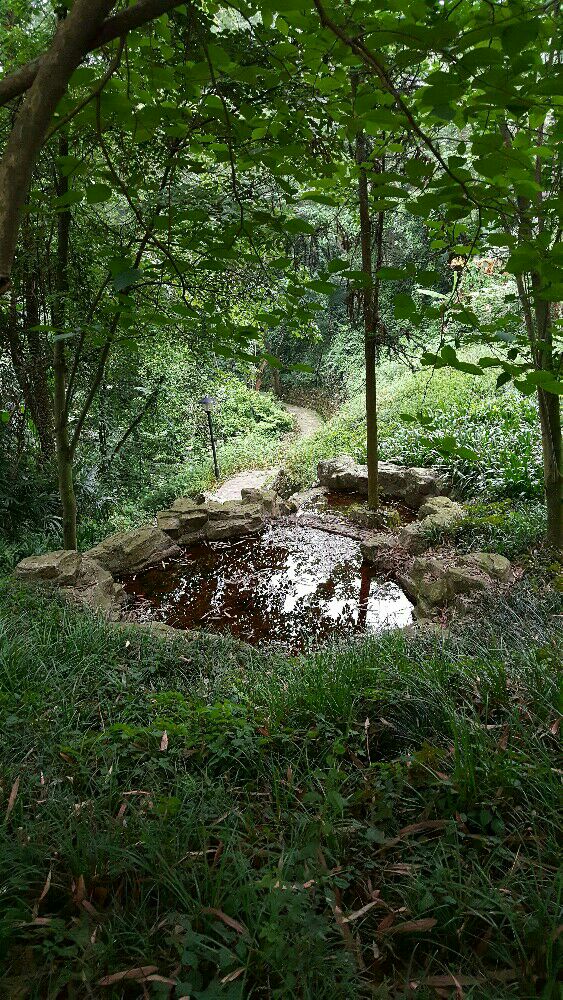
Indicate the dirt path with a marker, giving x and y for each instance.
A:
(308, 422)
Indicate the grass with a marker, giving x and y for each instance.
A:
(339, 825)
(502, 428)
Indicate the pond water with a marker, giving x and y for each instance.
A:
(292, 585)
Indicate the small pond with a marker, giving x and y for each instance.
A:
(296, 586)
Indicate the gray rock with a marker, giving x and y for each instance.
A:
(285, 484)
(436, 513)
(79, 577)
(343, 475)
(397, 482)
(441, 507)
(494, 565)
(61, 568)
(307, 497)
(433, 582)
(184, 521)
(271, 503)
(232, 519)
(464, 580)
(377, 547)
(412, 485)
(128, 552)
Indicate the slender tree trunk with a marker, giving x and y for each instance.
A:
(40, 403)
(369, 327)
(65, 451)
(550, 419)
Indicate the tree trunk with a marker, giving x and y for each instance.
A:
(65, 451)
(369, 328)
(74, 37)
(550, 419)
(64, 454)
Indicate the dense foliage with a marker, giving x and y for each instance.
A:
(353, 207)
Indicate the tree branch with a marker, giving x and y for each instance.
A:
(113, 27)
(150, 401)
(71, 42)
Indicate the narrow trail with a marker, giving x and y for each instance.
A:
(308, 423)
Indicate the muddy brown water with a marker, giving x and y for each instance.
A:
(295, 586)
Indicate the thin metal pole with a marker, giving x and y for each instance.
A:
(216, 467)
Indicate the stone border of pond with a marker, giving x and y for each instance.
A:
(438, 581)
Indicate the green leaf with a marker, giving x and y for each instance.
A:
(325, 287)
(126, 278)
(298, 226)
(503, 378)
(96, 193)
(544, 380)
(404, 306)
(272, 360)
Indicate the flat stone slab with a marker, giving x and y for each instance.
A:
(132, 551)
(188, 522)
(184, 521)
(232, 520)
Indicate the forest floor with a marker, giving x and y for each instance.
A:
(307, 421)
(375, 821)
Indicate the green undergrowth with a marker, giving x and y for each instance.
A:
(261, 448)
(501, 428)
(516, 530)
(243, 824)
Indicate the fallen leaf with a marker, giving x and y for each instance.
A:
(387, 921)
(409, 926)
(426, 824)
(46, 887)
(229, 921)
(78, 890)
(364, 909)
(137, 975)
(164, 741)
(13, 796)
(230, 978)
